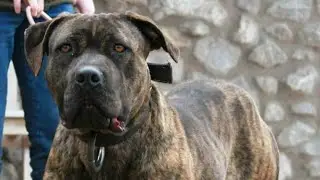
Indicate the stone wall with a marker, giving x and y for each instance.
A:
(268, 47)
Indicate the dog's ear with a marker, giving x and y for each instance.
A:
(36, 41)
(158, 72)
(153, 33)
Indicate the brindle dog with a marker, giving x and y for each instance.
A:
(99, 77)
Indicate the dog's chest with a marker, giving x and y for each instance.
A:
(137, 162)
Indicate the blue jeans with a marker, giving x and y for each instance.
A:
(41, 113)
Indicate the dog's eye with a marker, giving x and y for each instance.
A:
(65, 48)
(119, 48)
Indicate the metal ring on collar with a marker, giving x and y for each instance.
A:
(95, 164)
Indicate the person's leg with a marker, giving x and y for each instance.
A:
(8, 23)
(41, 113)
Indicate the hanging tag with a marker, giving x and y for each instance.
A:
(161, 72)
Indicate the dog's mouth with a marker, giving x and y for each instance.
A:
(91, 118)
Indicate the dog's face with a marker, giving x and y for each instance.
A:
(97, 69)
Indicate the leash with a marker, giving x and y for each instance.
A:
(30, 18)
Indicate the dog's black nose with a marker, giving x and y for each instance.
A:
(88, 76)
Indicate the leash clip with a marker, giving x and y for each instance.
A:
(30, 18)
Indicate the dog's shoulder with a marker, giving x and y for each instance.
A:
(221, 117)
(214, 104)
(210, 111)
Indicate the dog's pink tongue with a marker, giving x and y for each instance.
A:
(117, 125)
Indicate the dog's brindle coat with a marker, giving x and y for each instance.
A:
(205, 129)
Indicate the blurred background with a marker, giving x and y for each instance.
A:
(268, 47)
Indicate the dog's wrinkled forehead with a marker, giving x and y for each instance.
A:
(98, 28)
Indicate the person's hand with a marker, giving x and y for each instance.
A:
(36, 6)
(85, 6)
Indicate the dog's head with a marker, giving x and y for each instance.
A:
(97, 69)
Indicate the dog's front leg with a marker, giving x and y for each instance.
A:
(64, 161)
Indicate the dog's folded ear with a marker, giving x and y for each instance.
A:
(153, 33)
(159, 72)
(36, 41)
